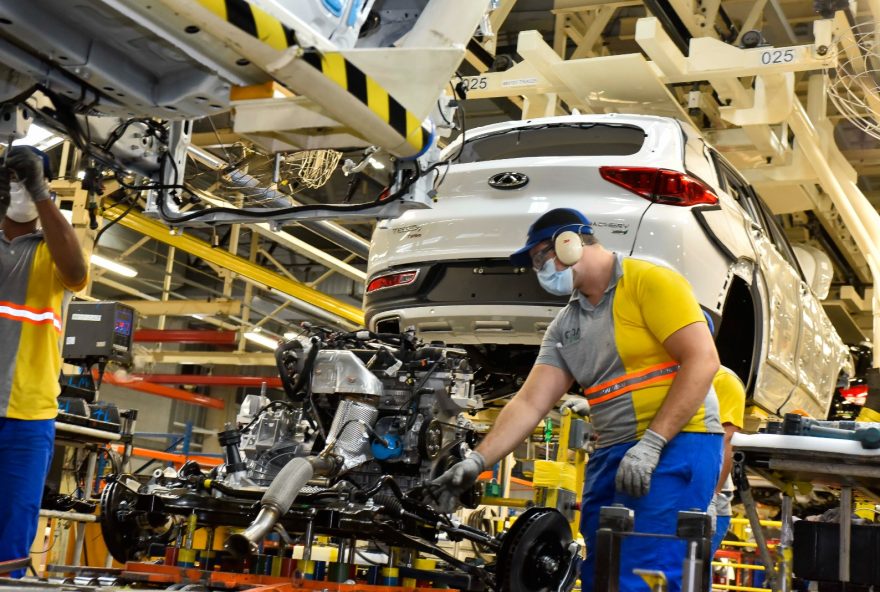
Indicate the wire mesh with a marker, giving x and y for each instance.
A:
(312, 167)
(258, 180)
(854, 85)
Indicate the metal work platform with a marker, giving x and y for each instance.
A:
(159, 577)
(793, 462)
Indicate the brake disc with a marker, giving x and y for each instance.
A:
(534, 554)
(129, 532)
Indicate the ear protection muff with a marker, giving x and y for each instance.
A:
(568, 245)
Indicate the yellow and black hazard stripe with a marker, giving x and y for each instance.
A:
(366, 90)
(259, 24)
(254, 21)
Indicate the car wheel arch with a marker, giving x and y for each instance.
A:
(740, 333)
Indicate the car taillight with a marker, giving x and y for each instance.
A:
(660, 185)
(391, 280)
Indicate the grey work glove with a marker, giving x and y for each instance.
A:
(712, 510)
(638, 464)
(721, 504)
(459, 478)
(28, 167)
(578, 407)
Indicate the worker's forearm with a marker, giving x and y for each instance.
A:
(514, 424)
(727, 454)
(726, 464)
(686, 394)
(62, 243)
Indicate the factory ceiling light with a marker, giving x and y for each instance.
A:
(39, 137)
(261, 339)
(113, 266)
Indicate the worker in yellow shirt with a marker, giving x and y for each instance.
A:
(41, 264)
(731, 405)
(634, 339)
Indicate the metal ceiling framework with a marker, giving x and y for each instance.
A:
(313, 301)
(770, 120)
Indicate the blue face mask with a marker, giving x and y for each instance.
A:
(558, 283)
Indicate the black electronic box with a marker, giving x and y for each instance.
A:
(98, 331)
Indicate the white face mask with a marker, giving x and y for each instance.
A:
(22, 208)
(558, 283)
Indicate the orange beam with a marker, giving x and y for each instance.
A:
(199, 336)
(164, 391)
(209, 380)
(171, 456)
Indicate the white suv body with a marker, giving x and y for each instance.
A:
(446, 271)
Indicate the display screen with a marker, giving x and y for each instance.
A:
(123, 321)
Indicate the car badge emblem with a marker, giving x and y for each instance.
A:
(508, 180)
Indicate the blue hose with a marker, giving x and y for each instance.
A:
(353, 12)
(333, 6)
(431, 138)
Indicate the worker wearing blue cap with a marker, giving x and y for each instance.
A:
(634, 338)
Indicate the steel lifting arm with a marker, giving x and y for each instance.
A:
(741, 481)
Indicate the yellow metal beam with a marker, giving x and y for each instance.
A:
(256, 273)
(204, 358)
(149, 308)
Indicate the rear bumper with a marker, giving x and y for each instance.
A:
(467, 302)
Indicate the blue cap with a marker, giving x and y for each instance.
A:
(546, 227)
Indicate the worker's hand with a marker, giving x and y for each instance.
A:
(28, 167)
(578, 407)
(712, 511)
(638, 464)
(448, 487)
(720, 505)
(4, 192)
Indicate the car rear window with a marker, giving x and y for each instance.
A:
(586, 139)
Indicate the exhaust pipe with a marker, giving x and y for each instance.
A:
(277, 501)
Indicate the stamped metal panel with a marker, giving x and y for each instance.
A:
(784, 300)
(834, 357)
(823, 354)
(117, 49)
(777, 381)
(812, 353)
(342, 372)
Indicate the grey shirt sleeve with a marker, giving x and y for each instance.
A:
(549, 353)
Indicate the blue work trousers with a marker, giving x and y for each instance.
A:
(25, 454)
(722, 523)
(684, 479)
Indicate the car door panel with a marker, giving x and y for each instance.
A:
(811, 350)
(783, 291)
(820, 354)
(779, 283)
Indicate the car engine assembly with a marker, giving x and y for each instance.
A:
(368, 421)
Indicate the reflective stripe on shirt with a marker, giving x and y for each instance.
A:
(26, 314)
(614, 349)
(629, 382)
